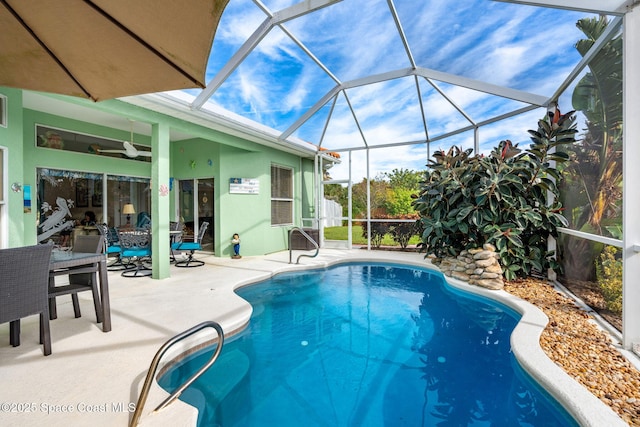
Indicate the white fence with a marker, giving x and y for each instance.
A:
(332, 213)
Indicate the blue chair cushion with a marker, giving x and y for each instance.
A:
(114, 249)
(185, 246)
(127, 253)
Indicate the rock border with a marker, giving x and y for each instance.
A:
(479, 266)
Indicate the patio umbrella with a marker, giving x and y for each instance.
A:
(101, 49)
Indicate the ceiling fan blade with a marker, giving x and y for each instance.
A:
(133, 151)
(111, 151)
(129, 151)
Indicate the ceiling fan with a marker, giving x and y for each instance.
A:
(129, 149)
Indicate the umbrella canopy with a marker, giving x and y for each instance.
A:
(105, 49)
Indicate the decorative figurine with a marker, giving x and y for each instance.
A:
(236, 246)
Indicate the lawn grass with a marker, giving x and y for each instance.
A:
(340, 233)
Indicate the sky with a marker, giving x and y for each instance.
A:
(521, 47)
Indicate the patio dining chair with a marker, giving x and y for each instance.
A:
(23, 290)
(112, 247)
(79, 282)
(175, 236)
(190, 247)
(136, 246)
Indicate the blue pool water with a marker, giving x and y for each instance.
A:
(367, 345)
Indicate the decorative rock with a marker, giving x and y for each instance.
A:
(476, 266)
(484, 263)
(495, 268)
(460, 276)
(484, 255)
(494, 284)
(489, 247)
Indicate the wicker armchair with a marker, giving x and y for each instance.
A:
(79, 282)
(23, 289)
(190, 247)
(136, 246)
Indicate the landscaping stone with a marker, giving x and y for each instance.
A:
(476, 266)
(576, 344)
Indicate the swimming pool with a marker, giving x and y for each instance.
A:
(367, 344)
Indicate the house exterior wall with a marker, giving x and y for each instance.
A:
(13, 218)
(209, 154)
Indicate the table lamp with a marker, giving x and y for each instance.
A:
(128, 210)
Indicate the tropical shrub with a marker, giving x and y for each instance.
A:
(502, 199)
(378, 230)
(609, 275)
(592, 190)
(402, 232)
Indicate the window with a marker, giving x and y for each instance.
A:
(281, 195)
(65, 196)
(61, 139)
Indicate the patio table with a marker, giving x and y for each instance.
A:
(61, 261)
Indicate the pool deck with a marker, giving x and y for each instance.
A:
(93, 378)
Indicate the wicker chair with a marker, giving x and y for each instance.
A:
(190, 247)
(23, 290)
(136, 246)
(79, 282)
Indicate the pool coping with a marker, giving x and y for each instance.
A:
(582, 405)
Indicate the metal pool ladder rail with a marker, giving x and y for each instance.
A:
(156, 360)
(309, 238)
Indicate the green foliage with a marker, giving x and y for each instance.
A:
(341, 233)
(466, 201)
(404, 178)
(402, 232)
(592, 190)
(378, 231)
(377, 192)
(399, 201)
(609, 275)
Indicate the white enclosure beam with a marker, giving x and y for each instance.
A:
(504, 92)
(517, 95)
(609, 7)
(278, 18)
(631, 178)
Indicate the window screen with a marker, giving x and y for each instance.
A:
(281, 195)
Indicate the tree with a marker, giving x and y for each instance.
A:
(467, 201)
(593, 189)
(404, 178)
(404, 184)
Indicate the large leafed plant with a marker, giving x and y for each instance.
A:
(508, 198)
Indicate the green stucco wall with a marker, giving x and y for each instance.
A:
(208, 154)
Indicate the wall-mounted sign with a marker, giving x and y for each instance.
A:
(244, 185)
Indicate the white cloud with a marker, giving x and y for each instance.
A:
(523, 47)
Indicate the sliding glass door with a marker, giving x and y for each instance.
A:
(64, 197)
(195, 200)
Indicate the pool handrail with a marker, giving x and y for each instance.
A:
(156, 361)
(309, 238)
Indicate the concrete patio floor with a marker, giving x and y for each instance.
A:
(93, 378)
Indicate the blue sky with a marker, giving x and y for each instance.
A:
(521, 47)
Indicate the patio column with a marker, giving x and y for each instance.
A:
(631, 178)
(160, 171)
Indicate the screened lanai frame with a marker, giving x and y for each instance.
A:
(623, 18)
